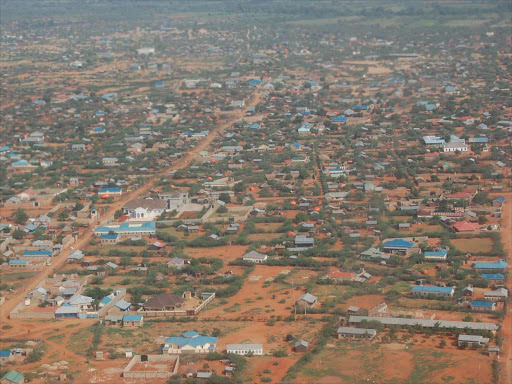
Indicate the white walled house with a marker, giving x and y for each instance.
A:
(454, 147)
(144, 209)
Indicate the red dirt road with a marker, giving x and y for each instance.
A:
(506, 237)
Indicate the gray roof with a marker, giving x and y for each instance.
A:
(426, 323)
(357, 331)
(473, 339)
(308, 297)
(302, 342)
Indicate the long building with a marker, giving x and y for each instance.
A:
(147, 228)
(426, 323)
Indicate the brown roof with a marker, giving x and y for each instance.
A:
(146, 203)
(164, 300)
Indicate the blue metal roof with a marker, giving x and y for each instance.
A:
(191, 338)
(339, 119)
(132, 317)
(18, 262)
(37, 253)
(5, 353)
(487, 304)
(492, 265)
(109, 190)
(442, 252)
(108, 236)
(431, 288)
(492, 276)
(127, 227)
(398, 243)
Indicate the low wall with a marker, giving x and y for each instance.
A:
(160, 374)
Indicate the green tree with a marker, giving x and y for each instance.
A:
(20, 216)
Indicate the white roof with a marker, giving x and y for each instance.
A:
(243, 347)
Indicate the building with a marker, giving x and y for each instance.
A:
(307, 300)
(37, 255)
(465, 226)
(176, 262)
(133, 320)
(497, 265)
(301, 346)
(472, 340)
(13, 377)
(398, 246)
(426, 323)
(145, 209)
(5, 356)
(17, 263)
(483, 306)
(110, 191)
(174, 200)
(356, 333)
(245, 349)
(493, 277)
(255, 257)
(304, 241)
(127, 229)
(425, 290)
(455, 147)
(374, 254)
(164, 302)
(109, 238)
(500, 294)
(190, 342)
(440, 255)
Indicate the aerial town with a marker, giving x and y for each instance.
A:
(233, 192)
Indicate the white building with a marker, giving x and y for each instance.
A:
(454, 147)
(174, 200)
(245, 349)
(255, 257)
(145, 209)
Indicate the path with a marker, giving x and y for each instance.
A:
(59, 261)
(506, 238)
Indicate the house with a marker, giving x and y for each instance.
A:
(380, 310)
(440, 255)
(340, 276)
(472, 340)
(301, 346)
(455, 147)
(133, 320)
(5, 356)
(500, 294)
(465, 226)
(398, 246)
(109, 238)
(307, 300)
(304, 241)
(245, 349)
(13, 377)
(255, 257)
(494, 351)
(374, 254)
(190, 342)
(356, 333)
(123, 305)
(483, 306)
(163, 302)
(176, 262)
(425, 290)
(145, 209)
(75, 257)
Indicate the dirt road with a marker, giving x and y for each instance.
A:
(59, 261)
(506, 237)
